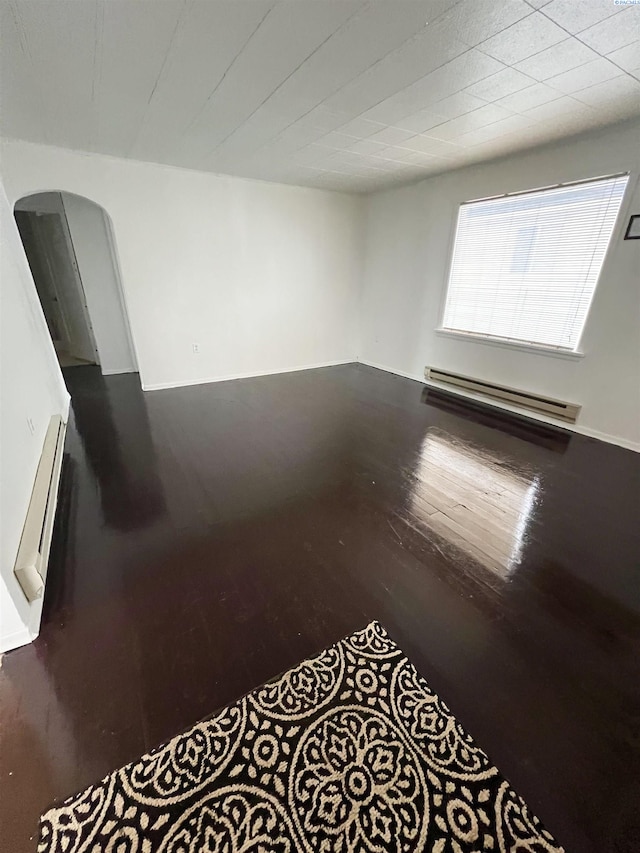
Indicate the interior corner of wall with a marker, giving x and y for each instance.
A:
(14, 631)
(9, 642)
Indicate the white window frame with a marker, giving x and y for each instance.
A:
(523, 346)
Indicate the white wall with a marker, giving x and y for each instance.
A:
(91, 243)
(408, 238)
(263, 277)
(32, 390)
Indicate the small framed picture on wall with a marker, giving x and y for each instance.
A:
(633, 228)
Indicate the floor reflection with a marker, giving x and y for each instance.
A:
(542, 435)
(473, 501)
(111, 420)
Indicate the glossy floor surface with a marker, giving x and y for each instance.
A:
(210, 537)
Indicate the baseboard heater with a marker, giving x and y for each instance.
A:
(33, 552)
(524, 399)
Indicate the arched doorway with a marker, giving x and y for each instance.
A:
(68, 241)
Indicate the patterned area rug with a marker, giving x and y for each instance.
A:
(349, 752)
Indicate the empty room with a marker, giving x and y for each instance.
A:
(320, 426)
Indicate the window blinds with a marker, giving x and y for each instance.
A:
(525, 266)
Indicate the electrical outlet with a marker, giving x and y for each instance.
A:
(32, 429)
(196, 348)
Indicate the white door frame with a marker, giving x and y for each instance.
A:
(75, 300)
(78, 278)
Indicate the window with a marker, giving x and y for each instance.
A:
(525, 266)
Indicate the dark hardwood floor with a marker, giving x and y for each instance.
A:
(210, 537)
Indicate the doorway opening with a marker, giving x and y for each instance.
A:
(69, 245)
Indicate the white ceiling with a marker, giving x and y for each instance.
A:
(340, 94)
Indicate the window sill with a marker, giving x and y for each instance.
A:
(535, 349)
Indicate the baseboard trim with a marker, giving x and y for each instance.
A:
(161, 386)
(577, 428)
(516, 410)
(12, 641)
(116, 371)
(392, 370)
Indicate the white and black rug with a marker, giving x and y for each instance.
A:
(349, 752)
